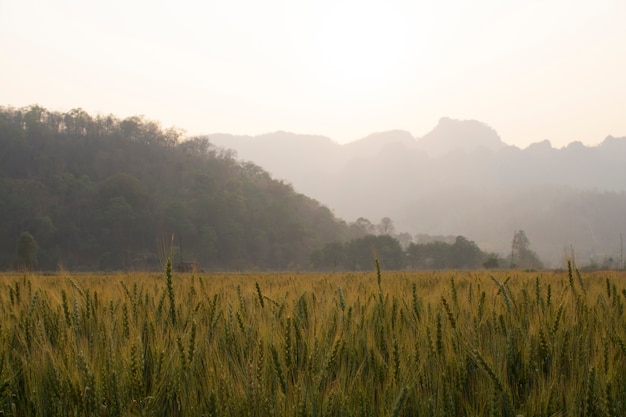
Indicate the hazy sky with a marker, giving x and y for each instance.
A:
(531, 69)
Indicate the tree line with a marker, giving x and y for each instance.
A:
(359, 253)
(98, 192)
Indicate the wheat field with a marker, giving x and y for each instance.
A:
(449, 343)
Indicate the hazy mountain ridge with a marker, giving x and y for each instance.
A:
(468, 135)
(461, 178)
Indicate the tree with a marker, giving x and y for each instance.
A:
(385, 227)
(465, 254)
(405, 239)
(330, 257)
(361, 253)
(521, 255)
(436, 255)
(390, 253)
(492, 261)
(363, 226)
(26, 251)
(199, 146)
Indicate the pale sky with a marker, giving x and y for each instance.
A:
(531, 69)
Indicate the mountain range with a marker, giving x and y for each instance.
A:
(461, 179)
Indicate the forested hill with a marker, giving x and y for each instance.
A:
(97, 192)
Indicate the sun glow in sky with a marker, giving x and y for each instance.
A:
(533, 70)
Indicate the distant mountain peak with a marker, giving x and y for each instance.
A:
(611, 141)
(544, 145)
(373, 144)
(468, 135)
(576, 145)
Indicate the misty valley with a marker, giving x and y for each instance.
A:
(85, 192)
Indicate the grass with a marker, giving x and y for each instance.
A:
(351, 344)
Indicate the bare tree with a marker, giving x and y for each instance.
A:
(521, 254)
(385, 227)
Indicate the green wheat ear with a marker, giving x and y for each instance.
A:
(170, 290)
(342, 301)
(379, 280)
(258, 291)
(399, 403)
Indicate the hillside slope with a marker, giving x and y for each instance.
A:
(100, 192)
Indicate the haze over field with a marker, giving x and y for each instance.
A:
(533, 70)
(462, 179)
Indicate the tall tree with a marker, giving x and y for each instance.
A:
(363, 226)
(26, 251)
(521, 254)
(465, 254)
(386, 227)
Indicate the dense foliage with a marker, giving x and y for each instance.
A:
(100, 192)
(357, 254)
(358, 344)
